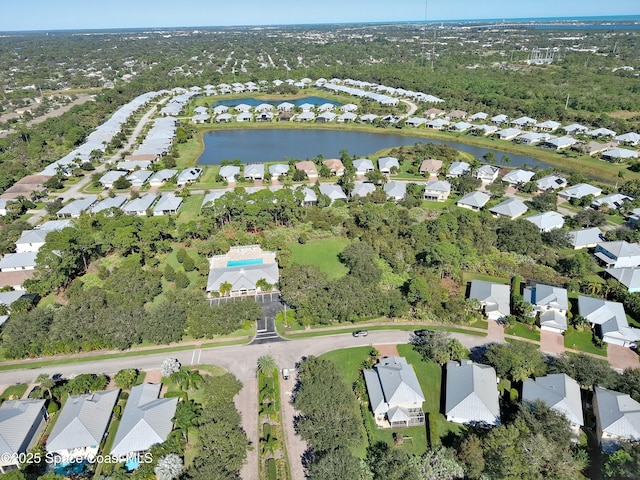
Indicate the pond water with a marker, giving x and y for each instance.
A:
(269, 145)
(254, 102)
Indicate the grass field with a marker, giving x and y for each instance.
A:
(521, 330)
(467, 277)
(14, 391)
(582, 341)
(190, 208)
(321, 253)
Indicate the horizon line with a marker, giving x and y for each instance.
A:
(561, 19)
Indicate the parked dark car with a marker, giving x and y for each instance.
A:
(360, 333)
(421, 333)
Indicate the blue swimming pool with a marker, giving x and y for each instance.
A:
(243, 263)
(132, 463)
(67, 469)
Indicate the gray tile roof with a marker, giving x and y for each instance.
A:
(254, 170)
(474, 199)
(580, 190)
(362, 189)
(438, 186)
(628, 276)
(139, 177)
(146, 420)
(541, 295)
(395, 190)
(584, 237)
(19, 420)
(494, 297)
(278, 169)
(111, 176)
(472, 393)
(189, 175)
(168, 203)
(617, 413)
(334, 192)
(75, 208)
(615, 200)
(7, 298)
(228, 172)
(391, 382)
(20, 261)
(511, 208)
(309, 195)
(458, 168)
(386, 163)
(363, 165)
(210, 198)
(141, 204)
(83, 421)
(162, 176)
(559, 391)
(620, 248)
(547, 221)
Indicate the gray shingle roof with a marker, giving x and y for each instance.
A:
(109, 202)
(17, 418)
(587, 236)
(472, 394)
(24, 261)
(547, 296)
(511, 208)
(146, 420)
(334, 192)
(559, 391)
(362, 189)
(139, 204)
(628, 276)
(391, 382)
(474, 199)
(168, 202)
(82, 421)
(395, 190)
(493, 296)
(547, 221)
(580, 190)
(75, 208)
(617, 413)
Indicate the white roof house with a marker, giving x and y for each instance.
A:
(110, 202)
(395, 190)
(385, 164)
(494, 298)
(559, 143)
(499, 119)
(531, 138)
(363, 166)
(575, 128)
(309, 196)
(631, 138)
(161, 177)
(458, 168)
(560, 392)
(146, 420)
(580, 190)
(76, 207)
(21, 423)
(254, 171)
(548, 126)
(617, 418)
(610, 320)
(394, 393)
(627, 276)
(109, 178)
(517, 176)
(139, 177)
(278, 169)
(131, 165)
(618, 254)
(139, 206)
(437, 124)
(188, 175)
(585, 238)
(81, 424)
(547, 221)
(485, 129)
(242, 267)
(229, 172)
(437, 191)
(551, 304)
(601, 132)
(551, 182)
(334, 192)
(168, 204)
(473, 201)
(210, 198)
(471, 394)
(3, 206)
(614, 201)
(618, 154)
(362, 189)
(508, 133)
(524, 122)
(487, 173)
(511, 208)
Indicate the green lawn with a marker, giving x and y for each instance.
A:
(190, 208)
(468, 276)
(321, 253)
(582, 341)
(348, 361)
(522, 330)
(14, 391)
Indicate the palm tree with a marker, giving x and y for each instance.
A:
(187, 415)
(225, 289)
(267, 365)
(263, 285)
(46, 382)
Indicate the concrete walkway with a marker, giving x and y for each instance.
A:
(296, 447)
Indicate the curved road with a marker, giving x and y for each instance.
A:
(241, 361)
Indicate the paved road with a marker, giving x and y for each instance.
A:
(240, 360)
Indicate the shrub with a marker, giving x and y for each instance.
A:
(53, 407)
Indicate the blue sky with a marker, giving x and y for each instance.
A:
(94, 14)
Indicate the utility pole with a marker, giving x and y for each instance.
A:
(566, 105)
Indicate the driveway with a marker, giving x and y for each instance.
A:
(621, 357)
(551, 342)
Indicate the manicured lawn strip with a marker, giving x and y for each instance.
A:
(307, 334)
(582, 341)
(108, 356)
(521, 330)
(111, 436)
(190, 208)
(348, 361)
(15, 391)
(468, 276)
(321, 253)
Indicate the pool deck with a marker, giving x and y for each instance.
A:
(242, 254)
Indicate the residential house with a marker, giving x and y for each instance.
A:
(168, 204)
(609, 321)
(547, 221)
(394, 393)
(309, 168)
(139, 177)
(627, 276)
(264, 107)
(335, 166)
(601, 132)
(220, 109)
(131, 165)
(109, 178)
(139, 206)
(201, 118)
(14, 262)
(415, 121)
(229, 173)
(347, 117)
(362, 189)
(437, 124)
(430, 166)
(146, 421)
(561, 393)
(518, 176)
(508, 133)
(614, 201)
(551, 182)
(244, 117)
(630, 138)
(457, 114)
(349, 107)
(278, 169)
(524, 122)
(484, 130)
(591, 148)
(487, 173)
(188, 175)
(242, 108)
(494, 298)
(575, 129)
(334, 192)
(619, 154)
(461, 127)
(161, 177)
(473, 201)
(499, 119)
(307, 107)
(241, 269)
(254, 171)
(265, 117)
(551, 305)
(110, 202)
(437, 191)
(224, 118)
(531, 138)
(363, 166)
(306, 117)
(309, 197)
(458, 169)
(326, 117)
(81, 425)
(579, 191)
(3, 206)
(434, 113)
(478, 116)
(585, 238)
(285, 107)
(33, 240)
(395, 190)
(368, 117)
(21, 424)
(617, 418)
(618, 254)
(76, 207)
(548, 126)
(511, 208)
(471, 395)
(385, 164)
(210, 198)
